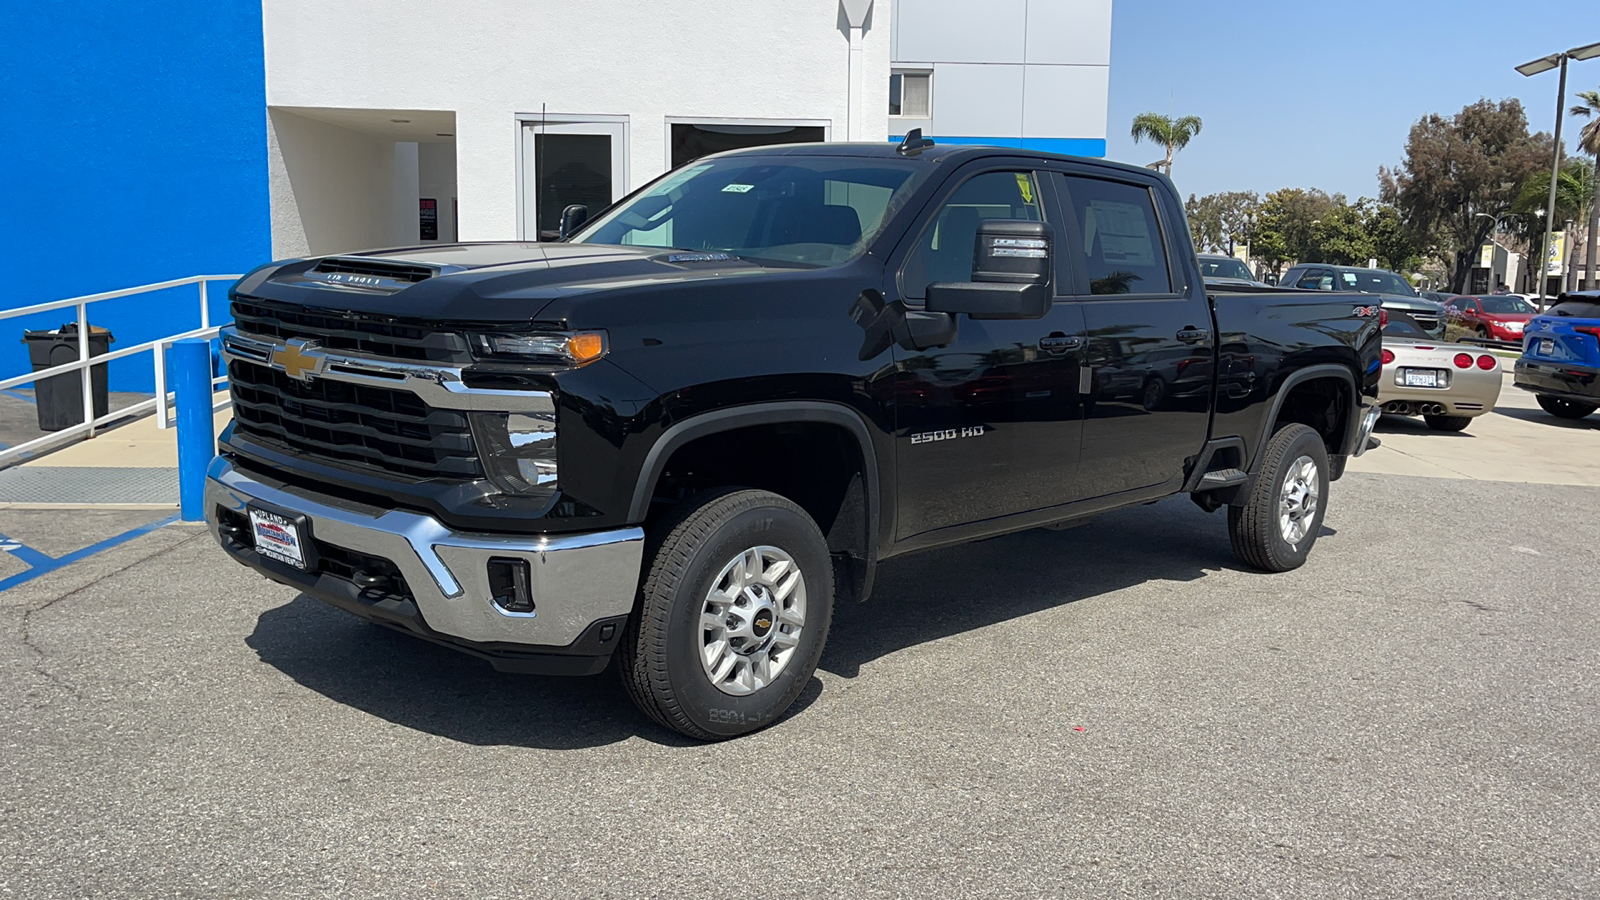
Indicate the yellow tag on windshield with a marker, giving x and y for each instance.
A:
(1025, 185)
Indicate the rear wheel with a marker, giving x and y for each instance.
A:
(1565, 409)
(1277, 527)
(733, 614)
(1447, 423)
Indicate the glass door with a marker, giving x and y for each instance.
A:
(566, 162)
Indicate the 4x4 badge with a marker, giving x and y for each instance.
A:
(299, 359)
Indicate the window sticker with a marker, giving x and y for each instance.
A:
(1025, 185)
(673, 182)
(737, 188)
(1123, 232)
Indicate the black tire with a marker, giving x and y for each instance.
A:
(1564, 409)
(1481, 332)
(1254, 528)
(1153, 395)
(1448, 423)
(658, 657)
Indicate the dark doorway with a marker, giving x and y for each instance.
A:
(692, 141)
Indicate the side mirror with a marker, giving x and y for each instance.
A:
(1011, 266)
(1270, 279)
(572, 218)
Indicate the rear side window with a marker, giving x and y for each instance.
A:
(1586, 308)
(1122, 248)
(944, 252)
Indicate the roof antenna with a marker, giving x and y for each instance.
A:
(914, 143)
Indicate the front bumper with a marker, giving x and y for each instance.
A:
(583, 585)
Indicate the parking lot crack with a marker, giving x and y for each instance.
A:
(1431, 462)
(40, 656)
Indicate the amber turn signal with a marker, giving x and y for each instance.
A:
(586, 346)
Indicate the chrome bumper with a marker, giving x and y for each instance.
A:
(576, 579)
(1369, 420)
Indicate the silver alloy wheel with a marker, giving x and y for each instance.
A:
(1297, 500)
(751, 620)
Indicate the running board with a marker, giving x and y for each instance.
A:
(1222, 478)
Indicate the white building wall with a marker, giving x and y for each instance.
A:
(490, 60)
(332, 189)
(1035, 70)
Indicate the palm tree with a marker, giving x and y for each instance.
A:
(1589, 142)
(1174, 134)
(1575, 195)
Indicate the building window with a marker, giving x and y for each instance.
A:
(908, 94)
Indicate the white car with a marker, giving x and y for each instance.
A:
(1448, 385)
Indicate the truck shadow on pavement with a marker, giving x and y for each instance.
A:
(935, 594)
(917, 599)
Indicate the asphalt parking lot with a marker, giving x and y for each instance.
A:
(1114, 710)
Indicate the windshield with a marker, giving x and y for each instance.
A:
(816, 211)
(1501, 303)
(1375, 281)
(1224, 267)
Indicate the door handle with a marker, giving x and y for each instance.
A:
(1059, 343)
(1193, 335)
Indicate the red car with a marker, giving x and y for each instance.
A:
(1497, 317)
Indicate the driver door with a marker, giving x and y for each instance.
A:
(989, 425)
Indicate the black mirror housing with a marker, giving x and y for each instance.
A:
(572, 218)
(1011, 265)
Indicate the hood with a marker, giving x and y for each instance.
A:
(1398, 301)
(1508, 317)
(499, 282)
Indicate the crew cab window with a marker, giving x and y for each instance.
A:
(1316, 280)
(1122, 248)
(806, 211)
(944, 251)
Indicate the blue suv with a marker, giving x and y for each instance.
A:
(1561, 356)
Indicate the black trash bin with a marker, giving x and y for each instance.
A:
(60, 397)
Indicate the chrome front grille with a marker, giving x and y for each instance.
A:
(381, 429)
(380, 336)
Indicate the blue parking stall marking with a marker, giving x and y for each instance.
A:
(40, 564)
(17, 395)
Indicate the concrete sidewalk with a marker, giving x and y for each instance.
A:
(132, 465)
(1517, 442)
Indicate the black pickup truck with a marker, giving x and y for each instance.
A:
(680, 434)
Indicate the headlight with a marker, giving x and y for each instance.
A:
(518, 450)
(559, 348)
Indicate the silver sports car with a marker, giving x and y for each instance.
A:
(1446, 384)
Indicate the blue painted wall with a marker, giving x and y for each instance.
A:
(135, 152)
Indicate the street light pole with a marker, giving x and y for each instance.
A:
(1545, 64)
(1555, 176)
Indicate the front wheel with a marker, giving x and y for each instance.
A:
(733, 614)
(1278, 524)
(1447, 423)
(1565, 409)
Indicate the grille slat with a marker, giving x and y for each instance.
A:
(375, 428)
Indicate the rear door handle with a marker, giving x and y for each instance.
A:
(1193, 335)
(1059, 343)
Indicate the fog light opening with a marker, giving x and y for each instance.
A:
(510, 584)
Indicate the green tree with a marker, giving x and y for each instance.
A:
(1575, 200)
(1285, 226)
(1589, 142)
(1174, 134)
(1205, 221)
(1458, 167)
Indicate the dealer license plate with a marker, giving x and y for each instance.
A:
(1547, 347)
(278, 537)
(1422, 378)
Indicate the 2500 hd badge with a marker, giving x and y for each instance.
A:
(948, 434)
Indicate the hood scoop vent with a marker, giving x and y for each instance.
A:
(700, 257)
(370, 273)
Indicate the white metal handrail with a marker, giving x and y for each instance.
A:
(157, 348)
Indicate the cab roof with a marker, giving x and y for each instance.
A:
(941, 154)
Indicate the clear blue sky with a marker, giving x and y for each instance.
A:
(1298, 94)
